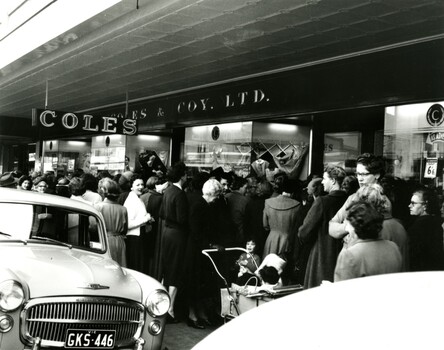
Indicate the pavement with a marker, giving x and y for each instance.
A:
(179, 336)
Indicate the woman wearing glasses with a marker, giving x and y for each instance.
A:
(425, 232)
(369, 170)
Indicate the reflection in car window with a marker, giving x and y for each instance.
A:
(23, 221)
(16, 220)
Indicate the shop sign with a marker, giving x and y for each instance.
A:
(60, 123)
(435, 137)
(435, 115)
(190, 107)
(204, 105)
(430, 168)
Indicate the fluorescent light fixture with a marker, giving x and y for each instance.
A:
(283, 128)
(59, 17)
(152, 138)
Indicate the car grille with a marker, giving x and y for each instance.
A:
(50, 318)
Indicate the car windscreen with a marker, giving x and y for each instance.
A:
(49, 224)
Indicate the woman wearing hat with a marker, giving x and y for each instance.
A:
(40, 184)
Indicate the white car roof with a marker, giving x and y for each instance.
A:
(11, 195)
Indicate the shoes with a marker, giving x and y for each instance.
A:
(171, 319)
(195, 324)
(206, 322)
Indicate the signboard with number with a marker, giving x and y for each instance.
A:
(430, 169)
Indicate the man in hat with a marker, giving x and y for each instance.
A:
(8, 180)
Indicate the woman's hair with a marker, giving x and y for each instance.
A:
(288, 186)
(365, 219)
(430, 199)
(75, 186)
(264, 189)
(23, 178)
(269, 274)
(352, 183)
(373, 194)
(336, 173)
(152, 182)
(374, 164)
(212, 188)
(89, 182)
(108, 188)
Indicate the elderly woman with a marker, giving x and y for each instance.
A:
(41, 184)
(369, 255)
(201, 193)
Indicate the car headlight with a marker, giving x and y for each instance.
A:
(12, 295)
(158, 303)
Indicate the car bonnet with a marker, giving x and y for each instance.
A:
(60, 271)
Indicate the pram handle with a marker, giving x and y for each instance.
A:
(206, 251)
(212, 250)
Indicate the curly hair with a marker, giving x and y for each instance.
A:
(336, 173)
(365, 219)
(373, 194)
(108, 188)
(374, 164)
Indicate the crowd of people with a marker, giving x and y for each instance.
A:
(331, 227)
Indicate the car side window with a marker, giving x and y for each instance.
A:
(75, 228)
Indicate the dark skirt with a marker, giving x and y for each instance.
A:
(172, 258)
(133, 253)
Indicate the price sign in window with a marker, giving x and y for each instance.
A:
(430, 168)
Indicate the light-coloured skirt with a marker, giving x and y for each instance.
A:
(117, 248)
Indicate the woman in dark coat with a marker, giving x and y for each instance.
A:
(198, 239)
(322, 259)
(425, 233)
(174, 213)
(152, 200)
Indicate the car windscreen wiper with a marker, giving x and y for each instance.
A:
(13, 239)
(54, 241)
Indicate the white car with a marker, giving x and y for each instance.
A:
(59, 287)
(394, 311)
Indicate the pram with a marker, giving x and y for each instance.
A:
(236, 299)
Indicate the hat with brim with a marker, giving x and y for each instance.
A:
(7, 180)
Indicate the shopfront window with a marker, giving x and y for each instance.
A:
(64, 156)
(342, 149)
(414, 142)
(257, 148)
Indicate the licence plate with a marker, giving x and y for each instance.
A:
(90, 339)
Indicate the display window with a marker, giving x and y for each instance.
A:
(63, 156)
(108, 153)
(342, 149)
(414, 142)
(148, 154)
(257, 148)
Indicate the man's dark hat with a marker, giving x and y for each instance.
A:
(7, 180)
